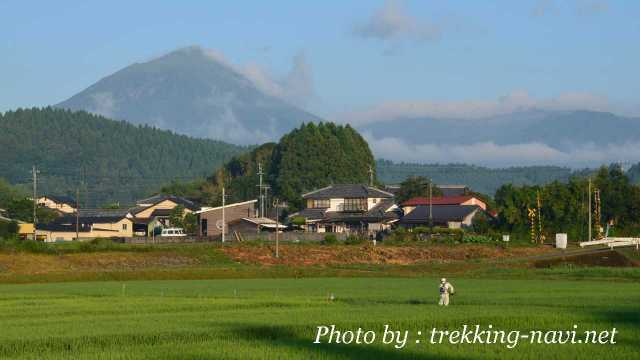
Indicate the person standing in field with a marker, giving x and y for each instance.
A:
(446, 289)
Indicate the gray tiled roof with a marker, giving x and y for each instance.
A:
(347, 191)
(103, 212)
(176, 199)
(63, 227)
(441, 213)
(90, 216)
(310, 214)
(61, 199)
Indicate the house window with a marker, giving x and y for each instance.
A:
(355, 204)
(320, 203)
(124, 226)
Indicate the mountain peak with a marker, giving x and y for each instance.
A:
(192, 91)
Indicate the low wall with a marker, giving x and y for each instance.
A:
(287, 236)
(168, 240)
(231, 237)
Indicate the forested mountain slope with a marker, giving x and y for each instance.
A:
(108, 161)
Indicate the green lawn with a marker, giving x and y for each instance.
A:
(276, 318)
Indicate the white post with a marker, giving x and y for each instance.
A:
(223, 220)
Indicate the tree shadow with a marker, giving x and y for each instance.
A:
(280, 337)
(626, 318)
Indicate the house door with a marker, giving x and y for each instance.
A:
(203, 227)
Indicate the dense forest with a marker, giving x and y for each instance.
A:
(565, 206)
(309, 157)
(108, 161)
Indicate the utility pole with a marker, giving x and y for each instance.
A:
(35, 172)
(539, 206)
(277, 205)
(260, 173)
(223, 220)
(264, 201)
(263, 192)
(77, 214)
(589, 239)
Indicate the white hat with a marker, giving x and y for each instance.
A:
(443, 280)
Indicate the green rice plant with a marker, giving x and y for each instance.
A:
(278, 318)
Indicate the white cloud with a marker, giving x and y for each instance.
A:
(495, 155)
(393, 22)
(473, 109)
(296, 87)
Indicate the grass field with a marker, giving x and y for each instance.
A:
(276, 318)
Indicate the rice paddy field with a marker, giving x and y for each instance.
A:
(278, 318)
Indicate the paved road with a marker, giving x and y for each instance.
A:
(558, 254)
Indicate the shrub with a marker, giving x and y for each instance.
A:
(477, 239)
(446, 235)
(31, 246)
(354, 240)
(329, 239)
(298, 220)
(8, 229)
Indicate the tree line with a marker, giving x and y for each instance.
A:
(565, 205)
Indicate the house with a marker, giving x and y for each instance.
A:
(410, 204)
(91, 223)
(155, 211)
(347, 208)
(62, 204)
(450, 216)
(254, 225)
(210, 218)
(25, 230)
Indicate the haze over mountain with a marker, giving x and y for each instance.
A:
(195, 92)
(575, 138)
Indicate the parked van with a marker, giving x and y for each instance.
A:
(173, 232)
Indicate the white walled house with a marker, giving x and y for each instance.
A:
(347, 208)
(62, 204)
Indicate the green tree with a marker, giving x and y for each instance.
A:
(176, 218)
(190, 223)
(310, 157)
(415, 186)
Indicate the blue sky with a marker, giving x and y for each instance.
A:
(359, 54)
